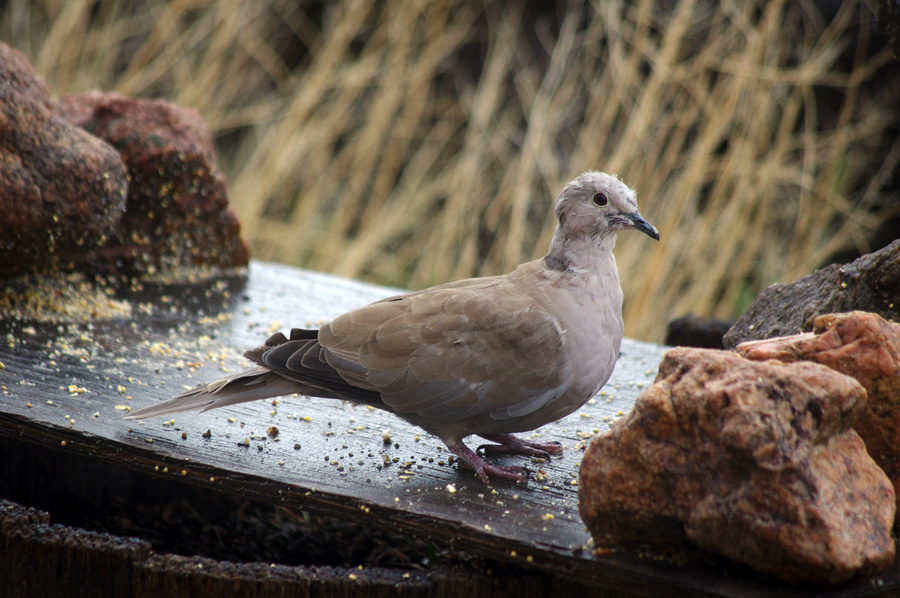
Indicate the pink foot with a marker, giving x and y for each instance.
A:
(507, 443)
(482, 467)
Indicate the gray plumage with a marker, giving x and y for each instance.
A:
(487, 356)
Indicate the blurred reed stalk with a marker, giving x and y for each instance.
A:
(410, 143)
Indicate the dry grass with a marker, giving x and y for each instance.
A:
(416, 142)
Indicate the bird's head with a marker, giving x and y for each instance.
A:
(591, 210)
(596, 205)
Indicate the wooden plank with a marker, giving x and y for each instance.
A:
(62, 383)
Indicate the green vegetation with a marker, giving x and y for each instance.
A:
(415, 142)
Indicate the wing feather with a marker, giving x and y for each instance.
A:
(453, 351)
(471, 356)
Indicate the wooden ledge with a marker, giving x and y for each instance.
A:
(65, 387)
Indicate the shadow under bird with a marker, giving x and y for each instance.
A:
(489, 356)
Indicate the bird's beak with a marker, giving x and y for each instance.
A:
(638, 222)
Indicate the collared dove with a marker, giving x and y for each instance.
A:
(487, 356)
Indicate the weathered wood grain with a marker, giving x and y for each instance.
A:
(64, 386)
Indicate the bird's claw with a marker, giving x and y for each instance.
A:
(507, 443)
(502, 449)
(485, 471)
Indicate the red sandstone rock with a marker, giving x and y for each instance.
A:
(862, 345)
(177, 213)
(61, 189)
(755, 461)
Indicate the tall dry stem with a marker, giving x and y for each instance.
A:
(415, 142)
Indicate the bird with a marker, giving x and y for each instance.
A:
(492, 356)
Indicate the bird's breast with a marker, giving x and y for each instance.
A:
(589, 310)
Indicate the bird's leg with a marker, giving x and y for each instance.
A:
(482, 467)
(507, 443)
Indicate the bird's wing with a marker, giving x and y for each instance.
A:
(456, 352)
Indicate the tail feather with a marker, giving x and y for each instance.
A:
(249, 385)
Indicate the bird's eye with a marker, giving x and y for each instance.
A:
(600, 199)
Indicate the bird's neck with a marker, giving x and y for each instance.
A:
(579, 254)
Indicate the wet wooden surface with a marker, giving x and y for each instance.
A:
(67, 386)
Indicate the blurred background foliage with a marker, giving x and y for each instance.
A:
(414, 142)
